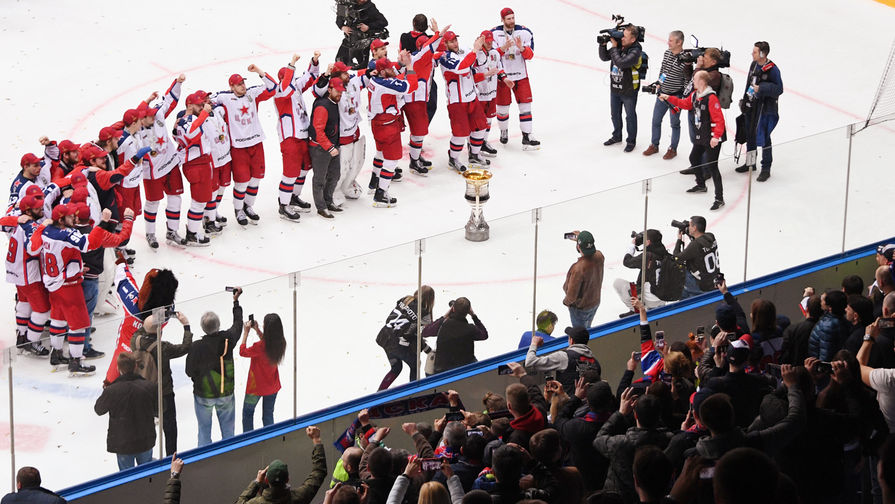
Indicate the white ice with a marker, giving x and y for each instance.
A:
(72, 68)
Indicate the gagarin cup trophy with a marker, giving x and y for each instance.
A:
(477, 195)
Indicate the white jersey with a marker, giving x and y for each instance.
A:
(242, 113)
(423, 63)
(216, 125)
(485, 62)
(22, 268)
(192, 137)
(456, 68)
(61, 256)
(163, 157)
(350, 105)
(388, 95)
(293, 121)
(128, 147)
(513, 59)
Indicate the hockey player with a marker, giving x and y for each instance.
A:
(488, 58)
(386, 120)
(60, 246)
(221, 164)
(196, 146)
(63, 157)
(516, 45)
(293, 132)
(246, 139)
(128, 145)
(416, 103)
(352, 145)
(464, 109)
(378, 49)
(31, 168)
(162, 177)
(23, 271)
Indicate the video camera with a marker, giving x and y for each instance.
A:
(351, 11)
(651, 88)
(682, 226)
(691, 55)
(638, 238)
(618, 32)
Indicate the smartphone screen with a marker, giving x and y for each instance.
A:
(504, 369)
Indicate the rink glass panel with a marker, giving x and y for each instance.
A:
(871, 191)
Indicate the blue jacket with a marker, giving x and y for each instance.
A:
(37, 495)
(770, 87)
(525, 340)
(827, 337)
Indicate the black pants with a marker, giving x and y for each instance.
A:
(169, 423)
(432, 106)
(327, 170)
(348, 55)
(705, 158)
(396, 361)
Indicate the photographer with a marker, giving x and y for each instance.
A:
(759, 108)
(361, 22)
(655, 251)
(672, 77)
(625, 56)
(700, 257)
(455, 345)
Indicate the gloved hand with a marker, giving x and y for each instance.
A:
(141, 154)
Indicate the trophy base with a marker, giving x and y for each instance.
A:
(478, 232)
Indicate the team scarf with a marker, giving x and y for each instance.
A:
(399, 408)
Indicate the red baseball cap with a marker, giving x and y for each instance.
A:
(79, 195)
(81, 211)
(338, 66)
(67, 146)
(376, 44)
(506, 11)
(236, 79)
(29, 159)
(383, 63)
(78, 179)
(449, 35)
(489, 36)
(145, 112)
(197, 98)
(34, 190)
(61, 211)
(421, 41)
(130, 116)
(337, 84)
(107, 133)
(30, 202)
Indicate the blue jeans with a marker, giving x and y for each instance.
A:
(691, 287)
(659, 111)
(90, 287)
(766, 124)
(583, 318)
(629, 102)
(126, 461)
(225, 407)
(248, 410)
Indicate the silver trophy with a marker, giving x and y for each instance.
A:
(477, 195)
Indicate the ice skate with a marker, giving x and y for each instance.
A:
(92, 353)
(174, 238)
(476, 161)
(382, 200)
(58, 359)
(456, 165)
(399, 175)
(193, 240)
(425, 162)
(211, 228)
(287, 214)
(241, 218)
(374, 183)
(152, 241)
(488, 151)
(504, 136)
(250, 213)
(75, 368)
(354, 192)
(299, 205)
(417, 168)
(529, 143)
(221, 221)
(33, 349)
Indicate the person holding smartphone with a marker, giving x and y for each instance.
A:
(455, 343)
(264, 375)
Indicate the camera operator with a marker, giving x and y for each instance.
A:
(655, 251)
(700, 257)
(625, 56)
(709, 61)
(361, 22)
(759, 107)
(710, 133)
(672, 77)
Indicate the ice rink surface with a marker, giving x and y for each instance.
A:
(74, 68)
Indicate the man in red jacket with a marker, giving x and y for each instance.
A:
(710, 133)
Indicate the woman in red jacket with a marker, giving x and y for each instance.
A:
(264, 377)
(710, 132)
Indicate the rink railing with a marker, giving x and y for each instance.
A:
(329, 315)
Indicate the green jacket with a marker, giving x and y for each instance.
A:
(257, 493)
(203, 363)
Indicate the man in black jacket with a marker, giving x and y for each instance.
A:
(360, 23)
(455, 345)
(408, 43)
(795, 337)
(580, 432)
(700, 257)
(625, 56)
(210, 365)
(130, 402)
(323, 138)
(655, 251)
(29, 490)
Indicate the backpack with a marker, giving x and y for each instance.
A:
(670, 277)
(146, 365)
(725, 94)
(643, 67)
